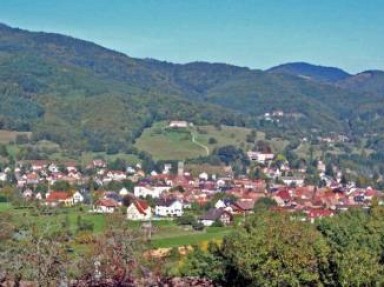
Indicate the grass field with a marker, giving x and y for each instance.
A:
(225, 135)
(5, 206)
(169, 144)
(166, 233)
(165, 144)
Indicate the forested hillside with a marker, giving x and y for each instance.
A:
(86, 97)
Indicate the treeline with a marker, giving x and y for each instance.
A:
(273, 249)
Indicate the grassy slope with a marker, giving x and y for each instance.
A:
(168, 144)
(165, 144)
(226, 135)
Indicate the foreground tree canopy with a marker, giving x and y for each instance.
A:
(279, 250)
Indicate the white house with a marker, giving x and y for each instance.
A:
(3, 176)
(116, 175)
(220, 204)
(178, 124)
(169, 207)
(260, 157)
(123, 191)
(153, 191)
(53, 167)
(293, 181)
(77, 197)
(28, 193)
(203, 176)
(139, 210)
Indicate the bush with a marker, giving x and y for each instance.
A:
(84, 237)
(198, 226)
(186, 219)
(84, 225)
(212, 141)
(217, 223)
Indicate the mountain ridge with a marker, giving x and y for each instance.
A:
(68, 85)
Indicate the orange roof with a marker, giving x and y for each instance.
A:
(107, 202)
(141, 205)
(58, 196)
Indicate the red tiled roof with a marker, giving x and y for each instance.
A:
(141, 205)
(244, 205)
(316, 213)
(57, 196)
(107, 202)
(284, 194)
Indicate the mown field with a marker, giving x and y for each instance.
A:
(166, 233)
(173, 144)
(225, 135)
(169, 144)
(176, 144)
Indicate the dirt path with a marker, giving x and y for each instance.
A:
(199, 144)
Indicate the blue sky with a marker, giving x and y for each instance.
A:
(259, 34)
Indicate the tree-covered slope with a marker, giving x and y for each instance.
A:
(311, 72)
(84, 96)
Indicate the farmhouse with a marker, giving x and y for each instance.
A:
(169, 207)
(178, 124)
(105, 206)
(214, 214)
(152, 191)
(139, 210)
(56, 198)
(260, 157)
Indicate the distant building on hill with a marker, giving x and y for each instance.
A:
(179, 124)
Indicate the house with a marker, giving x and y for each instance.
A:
(32, 178)
(3, 176)
(169, 207)
(38, 165)
(178, 124)
(293, 181)
(318, 213)
(139, 210)
(203, 176)
(53, 167)
(77, 197)
(71, 166)
(153, 191)
(116, 175)
(28, 194)
(260, 157)
(214, 214)
(123, 192)
(105, 205)
(243, 206)
(56, 198)
(99, 163)
(220, 204)
(113, 195)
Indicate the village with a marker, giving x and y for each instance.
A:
(169, 195)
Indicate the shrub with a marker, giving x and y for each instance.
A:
(212, 141)
(198, 226)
